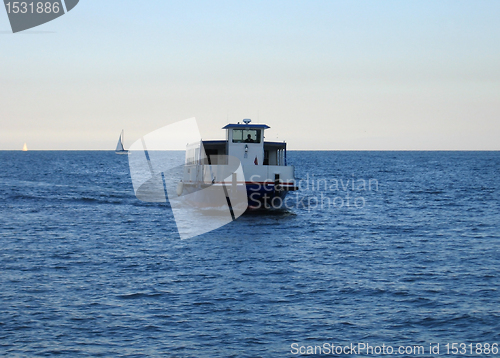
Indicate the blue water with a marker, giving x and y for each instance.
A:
(88, 270)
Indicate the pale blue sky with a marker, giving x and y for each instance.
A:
(323, 74)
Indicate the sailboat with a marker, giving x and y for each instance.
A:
(25, 148)
(119, 147)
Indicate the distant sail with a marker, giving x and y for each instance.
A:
(119, 147)
(25, 148)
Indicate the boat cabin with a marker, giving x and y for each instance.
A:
(243, 141)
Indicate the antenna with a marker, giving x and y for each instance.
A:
(247, 120)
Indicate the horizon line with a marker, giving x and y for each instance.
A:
(288, 150)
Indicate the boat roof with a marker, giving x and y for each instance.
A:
(246, 126)
(276, 144)
(210, 144)
(214, 141)
(225, 142)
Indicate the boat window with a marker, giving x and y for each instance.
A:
(246, 135)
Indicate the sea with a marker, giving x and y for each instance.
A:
(377, 254)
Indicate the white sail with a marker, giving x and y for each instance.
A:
(25, 148)
(119, 146)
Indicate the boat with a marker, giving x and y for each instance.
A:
(243, 163)
(25, 148)
(119, 147)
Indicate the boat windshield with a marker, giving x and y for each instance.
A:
(246, 135)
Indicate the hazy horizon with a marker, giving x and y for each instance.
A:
(324, 75)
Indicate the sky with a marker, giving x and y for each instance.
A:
(324, 75)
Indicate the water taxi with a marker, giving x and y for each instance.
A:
(242, 163)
